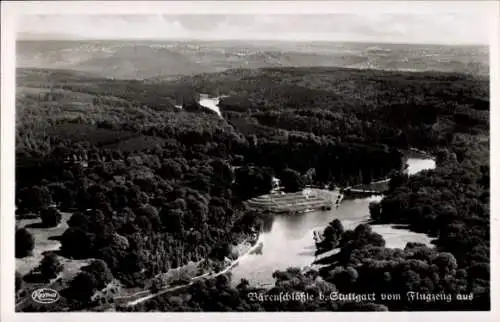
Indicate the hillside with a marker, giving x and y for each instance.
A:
(161, 60)
(152, 187)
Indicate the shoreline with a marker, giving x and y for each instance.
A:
(245, 247)
(258, 273)
(208, 275)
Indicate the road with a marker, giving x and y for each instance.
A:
(193, 280)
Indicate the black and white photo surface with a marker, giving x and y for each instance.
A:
(252, 162)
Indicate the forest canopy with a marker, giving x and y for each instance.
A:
(153, 187)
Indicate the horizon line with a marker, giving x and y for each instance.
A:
(249, 40)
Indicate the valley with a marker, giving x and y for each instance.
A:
(169, 170)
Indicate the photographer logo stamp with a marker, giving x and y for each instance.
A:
(45, 296)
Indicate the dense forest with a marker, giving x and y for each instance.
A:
(450, 203)
(152, 187)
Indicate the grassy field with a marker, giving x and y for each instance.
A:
(397, 237)
(44, 242)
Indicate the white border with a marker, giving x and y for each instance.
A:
(11, 10)
(249, 7)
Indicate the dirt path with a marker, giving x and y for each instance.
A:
(193, 280)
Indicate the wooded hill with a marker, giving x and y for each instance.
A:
(154, 185)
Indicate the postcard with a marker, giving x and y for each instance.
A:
(246, 158)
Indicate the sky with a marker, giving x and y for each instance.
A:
(395, 28)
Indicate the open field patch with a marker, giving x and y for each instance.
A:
(45, 242)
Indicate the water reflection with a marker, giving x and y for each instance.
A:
(267, 224)
(210, 102)
(288, 239)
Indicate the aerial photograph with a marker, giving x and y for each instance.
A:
(252, 163)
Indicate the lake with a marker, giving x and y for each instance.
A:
(288, 240)
(210, 103)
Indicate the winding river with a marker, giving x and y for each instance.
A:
(288, 240)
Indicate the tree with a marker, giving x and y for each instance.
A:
(344, 278)
(50, 266)
(156, 285)
(136, 198)
(19, 282)
(24, 243)
(253, 181)
(61, 193)
(81, 288)
(151, 214)
(119, 241)
(361, 236)
(171, 169)
(243, 285)
(220, 251)
(446, 263)
(331, 235)
(397, 179)
(51, 217)
(292, 180)
(78, 220)
(172, 219)
(337, 226)
(101, 273)
(77, 243)
(222, 172)
(374, 208)
(36, 198)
